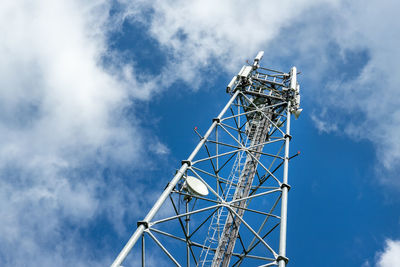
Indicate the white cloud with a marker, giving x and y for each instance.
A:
(159, 148)
(390, 257)
(366, 105)
(323, 125)
(199, 34)
(375, 91)
(61, 123)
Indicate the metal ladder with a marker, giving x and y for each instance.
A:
(219, 217)
(257, 132)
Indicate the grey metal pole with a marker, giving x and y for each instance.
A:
(139, 231)
(187, 234)
(143, 252)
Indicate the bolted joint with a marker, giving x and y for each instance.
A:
(282, 258)
(187, 198)
(188, 162)
(288, 136)
(285, 185)
(144, 223)
(218, 120)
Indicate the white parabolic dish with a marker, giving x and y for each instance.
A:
(196, 186)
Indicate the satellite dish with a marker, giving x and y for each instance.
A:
(195, 186)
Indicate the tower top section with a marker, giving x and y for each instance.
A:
(260, 82)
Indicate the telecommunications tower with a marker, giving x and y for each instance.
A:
(227, 204)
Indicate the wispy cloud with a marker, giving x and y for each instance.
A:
(365, 104)
(323, 125)
(200, 34)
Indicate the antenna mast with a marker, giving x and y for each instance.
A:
(233, 183)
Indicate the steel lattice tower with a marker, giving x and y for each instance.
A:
(222, 206)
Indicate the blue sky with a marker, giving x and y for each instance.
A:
(99, 100)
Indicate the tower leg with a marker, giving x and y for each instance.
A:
(282, 260)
